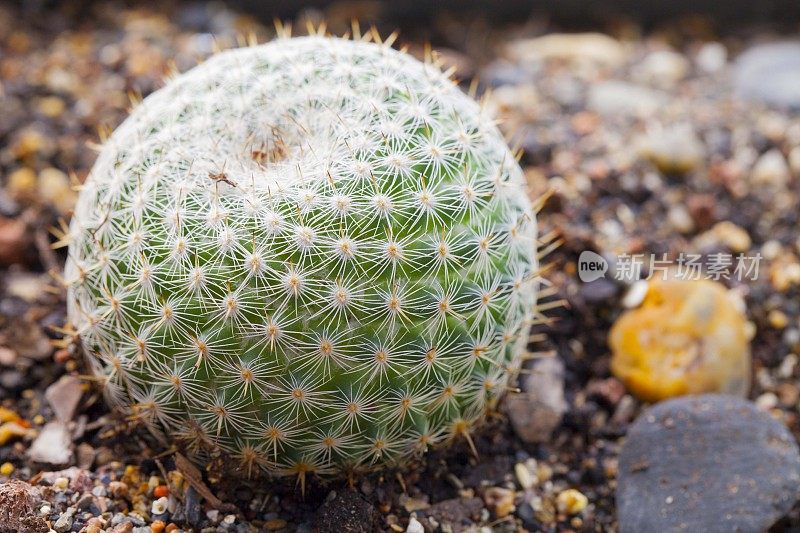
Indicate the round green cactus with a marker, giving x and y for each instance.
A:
(314, 255)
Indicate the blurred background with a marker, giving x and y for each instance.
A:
(659, 127)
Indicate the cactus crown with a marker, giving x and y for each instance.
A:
(314, 255)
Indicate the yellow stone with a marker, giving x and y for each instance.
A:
(9, 430)
(277, 523)
(7, 415)
(571, 501)
(778, 319)
(22, 184)
(501, 500)
(687, 337)
(6, 469)
(51, 106)
(29, 143)
(55, 189)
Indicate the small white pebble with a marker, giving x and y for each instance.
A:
(213, 515)
(635, 295)
(160, 505)
(712, 57)
(525, 476)
(767, 401)
(791, 336)
(669, 500)
(61, 483)
(45, 510)
(414, 526)
(788, 364)
(771, 249)
(229, 519)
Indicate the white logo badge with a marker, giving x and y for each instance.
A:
(591, 266)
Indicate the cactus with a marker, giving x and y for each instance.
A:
(315, 255)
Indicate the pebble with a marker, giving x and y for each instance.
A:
(680, 219)
(662, 68)
(414, 526)
(571, 501)
(727, 234)
(27, 286)
(674, 149)
(7, 356)
(595, 48)
(784, 272)
(159, 506)
(13, 241)
(526, 474)
(635, 295)
(599, 290)
(275, 523)
(777, 319)
(118, 489)
(770, 73)
(794, 159)
(52, 446)
(64, 522)
(55, 189)
(703, 209)
(687, 337)
(413, 504)
(706, 463)
(500, 500)
(6, 469)
(612, 98)
(192, 507)
(771, 169)
(537, 410)
(767, 401)
(18, 500)
(51, 106)
(64, 396)
(712, 57)
(21, 185)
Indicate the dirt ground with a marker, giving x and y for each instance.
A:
(654, 164)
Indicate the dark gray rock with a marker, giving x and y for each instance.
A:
(64, 522)
(770, 73)
(710, 463)
(191, 511)
(599, 290)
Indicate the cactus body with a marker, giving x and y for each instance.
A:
(315, 255)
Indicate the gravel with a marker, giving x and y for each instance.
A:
(583, 117)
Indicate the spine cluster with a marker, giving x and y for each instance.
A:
(314, 255)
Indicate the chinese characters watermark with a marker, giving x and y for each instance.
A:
(688, 266)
